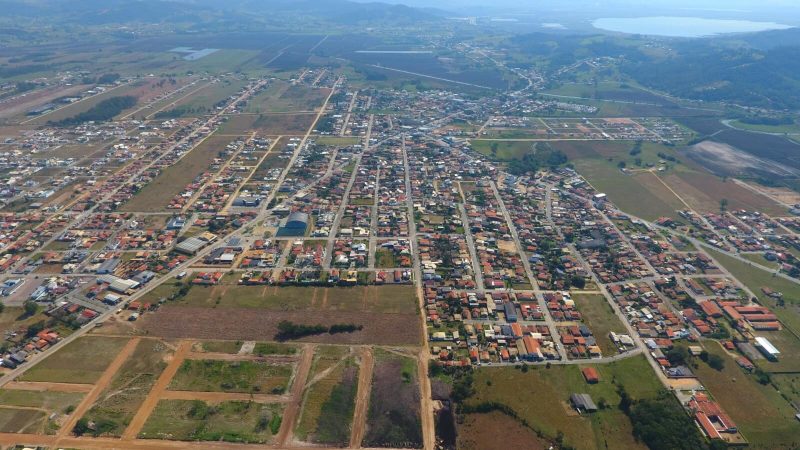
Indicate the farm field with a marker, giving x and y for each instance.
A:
(329, 402)
(393, 419)
(231, 376)
(81, 361)
(230, 421)
(175, 177)
(600, 318)
(541, 397)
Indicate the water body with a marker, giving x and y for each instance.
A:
(683, 26)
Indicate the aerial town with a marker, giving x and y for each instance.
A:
(321, 255)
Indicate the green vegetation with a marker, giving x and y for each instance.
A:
(231, 421)
(101, 112)
(271, 348)
(231, 376)
(655, 421)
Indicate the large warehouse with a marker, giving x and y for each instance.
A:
(296, 224)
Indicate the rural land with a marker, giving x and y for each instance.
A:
(362, 225)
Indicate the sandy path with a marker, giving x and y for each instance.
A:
(362, 398)
(156, 392)
(290, 414)
(98, 388)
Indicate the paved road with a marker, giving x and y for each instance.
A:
(529, 272)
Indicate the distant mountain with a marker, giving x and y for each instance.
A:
(96, 12)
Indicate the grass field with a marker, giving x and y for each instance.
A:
(231, 376)
(337, 141)
(157, 194)
(329, 402)
(119, 402)
(393, 419)
(541, 396)
(506, 150)
(194, 420)
(763, 416)
(81, 361)
(793, 128)
(600, 318)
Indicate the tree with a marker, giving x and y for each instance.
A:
(81, 427)
(31, 308)
(723, 205)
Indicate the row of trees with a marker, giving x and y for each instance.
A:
(101, 112)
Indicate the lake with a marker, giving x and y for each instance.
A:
(683, 26)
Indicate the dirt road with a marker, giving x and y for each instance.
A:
(362, 398)
(290, 414)
(156, 392)
(98, 388)
(47, 386)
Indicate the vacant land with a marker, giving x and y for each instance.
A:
(81, 361)
(34, 411)
(281, 97)
(541, 397)
(87, 103)
(119, 402)
(268, 124)
(763, 416)
(194, 420)
(329, 402)
(231, 376)
(204, 100)
(388, 314)
(262, 324)
(473, 433)
(382, 299)
(157, 194)
(394, 405)
(600, 318)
